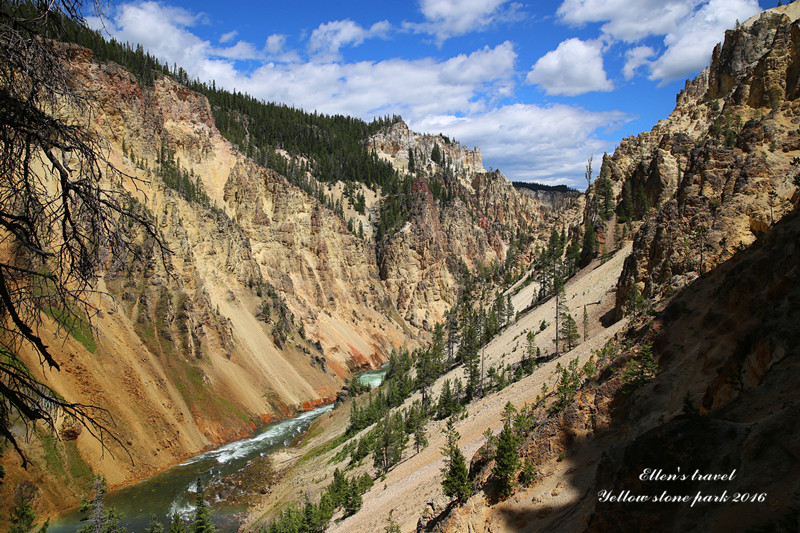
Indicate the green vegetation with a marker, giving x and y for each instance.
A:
(567, 387)
(201, 521)
(179, 179)
(455, 483)
(341, 493)
(505, 457)
(101, 518)
(22, 517)
(640, 369)
(98, 517)
(76, 325)
(155, 525)
(391, 525)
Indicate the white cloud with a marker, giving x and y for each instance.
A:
(575, 67)
(241, 50)
(412, 88)
(275, 43)
(228, 36)
(328, 38)
(635, 58)
(626, 20)
(163, 31)
(690, 28)
(481, 65)
(451, 18)
(545, 144)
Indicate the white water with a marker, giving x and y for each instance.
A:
(174, 490)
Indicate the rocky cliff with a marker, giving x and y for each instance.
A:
(423, 264)
(397, 142)
(718, 172)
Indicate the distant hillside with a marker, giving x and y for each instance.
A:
(552, 196)
(533, 186)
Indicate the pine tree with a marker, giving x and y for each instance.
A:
(155, 525)
(561, 308)
(530, 353)
(635, 301)
(590, 245)
(567, 386)
(98, 517)
(569, 331)
(420, 438)
(201, 521)
(176, 525)
(391, 525)
(390, 442)
(506, 460)
(445, 407)
(456, 483)
(436, 154)
(22, 517)
(641, 368)
(585, 324)
(509, 309)
(353, 501)
(573, 255)
(469, 355)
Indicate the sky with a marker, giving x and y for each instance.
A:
(539, 86)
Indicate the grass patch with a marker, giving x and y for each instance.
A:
(52, 457)
(76, 325)
(78, 469)
(322, 448)
(232, 408)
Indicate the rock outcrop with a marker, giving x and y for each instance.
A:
(396, 142)
(705, 182)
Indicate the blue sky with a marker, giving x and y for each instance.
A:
(538, 86)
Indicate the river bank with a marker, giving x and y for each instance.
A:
(236, 475)
(232, 473)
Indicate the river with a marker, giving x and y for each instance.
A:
(373, 378)
(174, 489)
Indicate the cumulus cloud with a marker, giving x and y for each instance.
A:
(625, 20)
(275, 43)
(328, 38)
(690, 28)
(481, 65)
(575, 67)
(241, 50)
(461, 84)
(547, 144)
(635, 58)
(412, 88)
(451, 18)
(163, 30)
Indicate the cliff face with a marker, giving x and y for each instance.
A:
(422, 264)
(263, 305)
(718, 172)
(394, 143)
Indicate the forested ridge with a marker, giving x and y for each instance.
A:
(330, 148)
